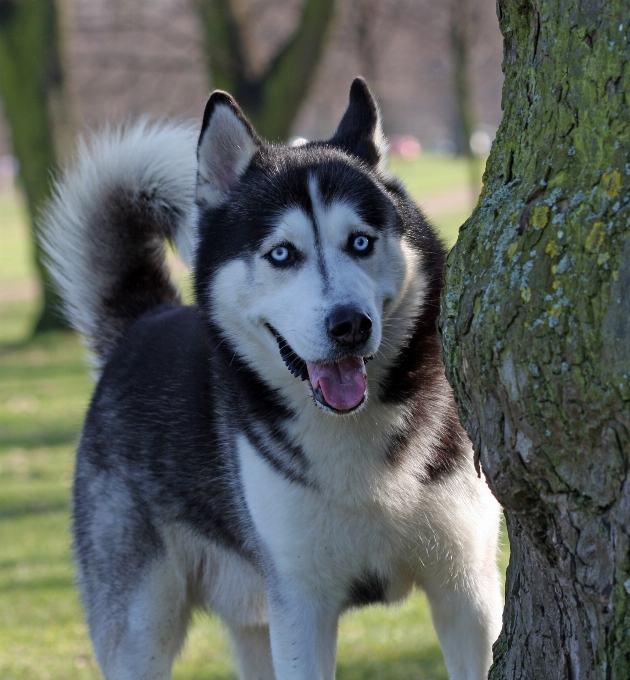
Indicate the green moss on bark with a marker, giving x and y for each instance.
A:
(536, 332)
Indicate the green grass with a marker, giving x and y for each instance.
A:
(431, 173)
(15, 249)
(44, 389)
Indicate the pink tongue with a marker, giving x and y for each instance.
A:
(342, 383)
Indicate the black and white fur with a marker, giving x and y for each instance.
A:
(210, 473)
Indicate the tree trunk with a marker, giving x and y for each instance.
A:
(37, 107)
(271, 99)
(536, 332)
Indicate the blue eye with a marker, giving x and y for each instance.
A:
(283, 255)
(360, 244)
(280, 254)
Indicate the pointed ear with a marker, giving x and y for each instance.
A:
(360, 132)
(227, 143)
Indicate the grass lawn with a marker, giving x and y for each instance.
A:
(44, 389)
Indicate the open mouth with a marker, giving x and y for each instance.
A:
(340, 386)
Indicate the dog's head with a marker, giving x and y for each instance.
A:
(306, 259)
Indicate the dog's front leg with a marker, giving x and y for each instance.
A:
(303, 603)
(303, 629)
(467, 617)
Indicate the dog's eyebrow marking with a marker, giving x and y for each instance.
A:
(317, 207)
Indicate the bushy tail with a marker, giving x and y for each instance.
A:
(104, 229)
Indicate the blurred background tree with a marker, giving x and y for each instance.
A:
(38, 106)
(272, 95)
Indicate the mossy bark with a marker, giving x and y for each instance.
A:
(536, 333)
(270, 99)
(37, 107)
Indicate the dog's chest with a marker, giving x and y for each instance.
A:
(360, 553)
(348, 456)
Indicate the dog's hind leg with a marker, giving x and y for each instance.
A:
(140, 636)
(253, 652)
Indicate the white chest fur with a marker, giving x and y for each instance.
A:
(313, 537)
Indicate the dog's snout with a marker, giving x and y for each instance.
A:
(348, 326)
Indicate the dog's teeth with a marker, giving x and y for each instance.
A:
(292, 361)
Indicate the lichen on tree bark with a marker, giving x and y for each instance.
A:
(536, 332)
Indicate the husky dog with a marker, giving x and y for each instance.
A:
(288, 446)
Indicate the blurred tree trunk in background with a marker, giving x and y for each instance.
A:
(460, 38)
(536, 332)
(462, 27)
(34, 91)
(272, 98)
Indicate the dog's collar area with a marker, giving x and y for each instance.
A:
(292, 361)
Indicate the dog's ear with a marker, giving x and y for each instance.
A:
(360, 132)
(227, 143)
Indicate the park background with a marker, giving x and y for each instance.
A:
(129, 59)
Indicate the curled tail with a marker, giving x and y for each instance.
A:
(105, 227)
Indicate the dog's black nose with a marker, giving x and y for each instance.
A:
(348, 327)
